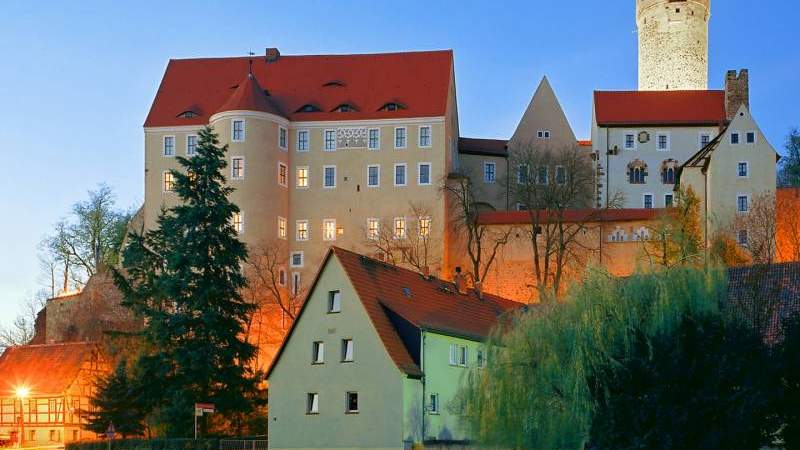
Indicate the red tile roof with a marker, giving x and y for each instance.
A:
(249, 96)
(585, 143)
(570, 215)
(420, 81)
(484, 147)
(44, 369)
(617, 108)
(428, 304)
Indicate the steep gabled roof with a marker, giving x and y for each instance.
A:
(249, 96)
(419, 81)
(426, 303)
(695, 108)
(47, 369)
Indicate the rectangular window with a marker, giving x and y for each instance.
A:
(237, 167)
(318, 352)
(374, 138)
(489, 172)
(399, 227)
(424, 226)
(302, 140)
(547, 134)
(742, 238)
(347, 350)
(329, 230)
(373, 175)
(458, 355)
(705, 139)
(543, 176)
(302, 177)
(238, 222)
(561, 175)
(400, 174)
(352, 402)
(169, 182)
(750, 137)
(282, 138)
(480, 359)
(297, 259)
(282, 227)
(283, 174)
(648, 201)
(424, 174)
(522, 174)
(668, 200)
(237, 130)
(742, 203)
(169, 146)
(295, 283)
(301, 230)
(630, 141)
(329, 177)
(400, 137)
(330, 140)
(312, 403)
(373, 229)
(433, 404)
(281, 277)
(425, 136)
(735, 137)
(191, 145)
(742, 169)
(663, 142)
(334, 301)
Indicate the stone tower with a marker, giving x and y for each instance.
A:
(673, 44)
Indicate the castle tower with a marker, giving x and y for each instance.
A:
(673, 44)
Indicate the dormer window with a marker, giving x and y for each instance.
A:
(345, 107)
(333, 83)
(308, 107)
(187, 115)
(392, 106)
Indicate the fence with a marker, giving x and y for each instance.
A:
(243, 444)
(171, 444)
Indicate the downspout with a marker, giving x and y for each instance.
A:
(607, 168)
(422, 368)
(508, 181)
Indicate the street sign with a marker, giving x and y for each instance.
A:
(199, 410)
(111, 432)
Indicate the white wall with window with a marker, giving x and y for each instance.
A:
(301, 230)
(237, 167)
(237, 130)
(400, 174)
(330, 140)
(489, 172)
(424, 174)
(743, 169)
(317, 352)
(329, 229)
(303, 141)
(373, 175)
(647, 201)
(191, 145)
(630, 140)
(329, 177)
(168, 148)
(400, 137)
(334, 301)
(742, 203)
(374, 138)
(301, 177)
(348, 350)
(425, 138)
(459, 355)
(283, 138)
(663, 142)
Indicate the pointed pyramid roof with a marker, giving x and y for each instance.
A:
(544, 112)
(250, 96)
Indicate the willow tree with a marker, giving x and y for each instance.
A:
(541, 389)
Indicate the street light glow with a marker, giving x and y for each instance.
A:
(23, 392)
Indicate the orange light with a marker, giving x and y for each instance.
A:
(22, 392)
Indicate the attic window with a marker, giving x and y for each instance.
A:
(187, 114)
(392, 106)
(407, 292)
(345, 107)
(308, 107)
(333, 83)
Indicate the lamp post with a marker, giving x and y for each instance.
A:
(22, 393)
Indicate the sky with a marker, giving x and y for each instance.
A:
(77, 79)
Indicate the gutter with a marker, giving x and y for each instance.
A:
(422, 368)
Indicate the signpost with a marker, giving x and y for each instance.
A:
(199, 410)
(110, 433)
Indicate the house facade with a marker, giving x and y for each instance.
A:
(375, 358)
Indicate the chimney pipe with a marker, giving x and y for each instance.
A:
(272, 54)
(737, 92)
(458, 280)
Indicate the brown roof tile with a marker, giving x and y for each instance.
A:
(484, 147)
(44, 369)
(659, 108)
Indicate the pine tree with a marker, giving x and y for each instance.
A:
(184, 278)
(117, 401)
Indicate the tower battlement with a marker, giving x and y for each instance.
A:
(673, 44)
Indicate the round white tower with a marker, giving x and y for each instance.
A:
(673, 44)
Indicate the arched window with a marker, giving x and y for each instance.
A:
(669, 169)
(641, 234)
(637, 172)
(618, 235)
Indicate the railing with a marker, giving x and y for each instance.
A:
(243, 444)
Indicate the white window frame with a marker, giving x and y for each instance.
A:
(747, 169)
(334, 301)
(652, 200)
(241, 222)
(164, 181)
(196, 140)
(669, 141)
(244, 168)
(419, 173)
(738, 137)
(347, 409)
(282, 223)
(739, 238)
(405, 174)
(700, 144)
(325, 223)
(377, 234)
(433, 407)
(430, 136)
(755, 137)
(625, 140)
(555, 176)
(325, 140)
(318, 352)
(527, 173)
(308, 141)
(420, 228)
(297, 177)
(547, 134)
(394, 227)
(378, 147)
(164, 146)
(405, 137)
(348, 350)
(283, 133)
(325, 176)
(378, 167)
(494, 172)
(302, 259)
(747, 196)
(459, 355)
(297, 230)
(233, 129)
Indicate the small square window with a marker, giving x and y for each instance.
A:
(489, 172)
(352, 402)
(425, 136)
(330, 140)
(297, 259)
(312, 403)
(540, 134)
(347, 350)
(705, 139)
(400, 137)
(329, 178)
(424, 176)
(302, 140)
(334, 301)
(169, 146)
(630, 141)
(735, 138)
(318, 352)
(750, 137)
(373, 176)
(547, 134)
(374, 138)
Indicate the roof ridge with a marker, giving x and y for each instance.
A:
(256, 57)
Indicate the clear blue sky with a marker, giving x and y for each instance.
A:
(77, 78)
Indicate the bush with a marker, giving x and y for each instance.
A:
(146, 444)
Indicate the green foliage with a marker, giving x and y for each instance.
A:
(146, 444)
(118, 400)
(789, 174)
(184, 278)
(789, 370)
(676, 239)
(540, 389)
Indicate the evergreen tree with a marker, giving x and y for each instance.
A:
(789, 363)
(117, 400)
(789, 173)
(184, 278)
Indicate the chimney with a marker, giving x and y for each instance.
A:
(272, 54)
(737, 92)
(479, 289)
(426, 272)
(458, 280)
